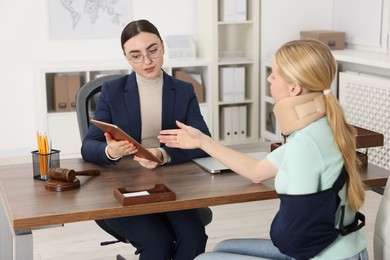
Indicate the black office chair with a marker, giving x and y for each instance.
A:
(86, 99)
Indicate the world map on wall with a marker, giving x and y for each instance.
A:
(88, 18)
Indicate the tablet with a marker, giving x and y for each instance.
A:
(120, 135)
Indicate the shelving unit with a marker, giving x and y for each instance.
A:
(220, 44)
(269, 128)
(231, 44)
(62, 127)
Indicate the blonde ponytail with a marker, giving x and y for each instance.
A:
(345, 138)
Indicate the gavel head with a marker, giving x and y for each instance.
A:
(62, 174)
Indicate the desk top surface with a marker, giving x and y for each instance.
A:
(30, 205)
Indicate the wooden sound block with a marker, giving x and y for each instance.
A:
(55, 185)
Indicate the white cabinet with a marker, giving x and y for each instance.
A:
(364, 92)
(232, 44)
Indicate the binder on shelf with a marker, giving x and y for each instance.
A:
(226, 124)
(227, 84)
(233, 10)
(235, 118)
(241, 14)
(242, 115)
(195, 79)
(232, 87)
(234, 123)
(228, 10)
(239, 84)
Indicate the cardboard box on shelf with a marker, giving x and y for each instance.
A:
(65, 90)
(199, 88)
(60, 93)
(334, 40)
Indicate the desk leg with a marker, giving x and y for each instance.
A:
(379, 190)
(6, 238)
(13, 245)
(23, 244)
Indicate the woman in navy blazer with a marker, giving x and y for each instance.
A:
(143, 103)
(119, 104)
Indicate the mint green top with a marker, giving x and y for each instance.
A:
(310, 162)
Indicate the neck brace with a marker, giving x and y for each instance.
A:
(293, 113)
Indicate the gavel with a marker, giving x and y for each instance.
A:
(68, 175)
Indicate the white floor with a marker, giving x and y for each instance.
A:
(82, 240)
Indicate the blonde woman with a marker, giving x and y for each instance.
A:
(315, 172)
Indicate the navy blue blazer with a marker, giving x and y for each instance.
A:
(119, 104)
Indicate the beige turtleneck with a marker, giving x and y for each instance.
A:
(150, 96)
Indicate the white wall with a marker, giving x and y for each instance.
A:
(25, 45)
(281, 21)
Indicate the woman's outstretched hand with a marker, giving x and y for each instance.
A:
(185, 137)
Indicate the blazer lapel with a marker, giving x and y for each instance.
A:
(168, 103)
(133, 106)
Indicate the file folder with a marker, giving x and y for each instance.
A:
(235, 119)
(241, 13)
(242, 111)
(227, 84)
(233, 10)
(232, 87)
(228, 10)
(239, 84)
(226, 124)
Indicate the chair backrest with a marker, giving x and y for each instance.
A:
(86, 99)
(382, 227)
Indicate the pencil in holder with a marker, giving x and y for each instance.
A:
(43, 162)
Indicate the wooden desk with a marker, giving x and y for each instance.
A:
(26, 204)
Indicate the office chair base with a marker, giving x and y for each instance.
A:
(119, 257)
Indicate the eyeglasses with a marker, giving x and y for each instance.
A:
(138, 57)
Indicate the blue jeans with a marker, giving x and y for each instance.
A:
(246, 249)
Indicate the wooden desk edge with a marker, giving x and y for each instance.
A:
(141, 209)
(162, 207)
(381, 182)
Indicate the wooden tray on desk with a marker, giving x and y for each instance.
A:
(158, 193)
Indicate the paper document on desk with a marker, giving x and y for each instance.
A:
(213, 166)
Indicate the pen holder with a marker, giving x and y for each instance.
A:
(43, 162)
